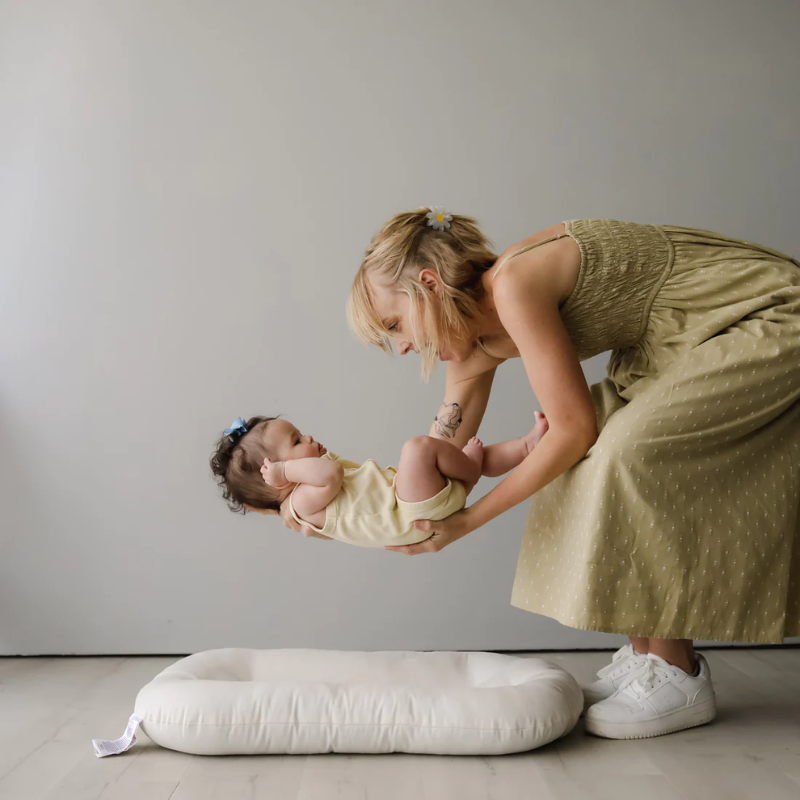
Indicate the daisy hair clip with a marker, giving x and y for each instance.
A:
(438, 218)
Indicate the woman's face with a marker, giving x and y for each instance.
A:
(393, 308)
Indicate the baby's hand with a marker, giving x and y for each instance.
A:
(273, 474)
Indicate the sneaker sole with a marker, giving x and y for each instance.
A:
(678, 720)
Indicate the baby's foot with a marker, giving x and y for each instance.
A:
(474, 449)
(539, 429)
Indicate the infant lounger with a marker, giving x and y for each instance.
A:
(293, 701)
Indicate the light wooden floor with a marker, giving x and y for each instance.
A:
(51, 709)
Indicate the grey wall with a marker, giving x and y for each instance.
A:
(186, 190)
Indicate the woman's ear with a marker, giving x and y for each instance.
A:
(430, 280)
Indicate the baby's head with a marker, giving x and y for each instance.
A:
(240, 453)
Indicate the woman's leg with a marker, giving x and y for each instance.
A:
(425, 462)
(679, 652)
(640, 644)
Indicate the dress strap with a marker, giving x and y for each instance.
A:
(528, 247)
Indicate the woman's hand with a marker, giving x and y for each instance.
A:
(443, 532)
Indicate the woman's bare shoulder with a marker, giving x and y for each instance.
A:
(555, 264)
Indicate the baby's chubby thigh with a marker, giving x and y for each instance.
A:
(418, 477)
(451, 498)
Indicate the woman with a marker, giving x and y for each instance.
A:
(665, 497)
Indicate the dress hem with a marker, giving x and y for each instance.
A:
(611, 629)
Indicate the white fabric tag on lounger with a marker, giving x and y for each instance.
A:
(113, 747)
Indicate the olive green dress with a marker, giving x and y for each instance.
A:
(682, 519)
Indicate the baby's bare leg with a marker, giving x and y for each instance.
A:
(501, 457)
(504, 456)
(425, 462)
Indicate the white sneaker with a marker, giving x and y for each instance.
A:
(623, 664)
(661, 698)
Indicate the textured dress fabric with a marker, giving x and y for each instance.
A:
(682, 520)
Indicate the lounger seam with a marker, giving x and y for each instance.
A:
(339, 724)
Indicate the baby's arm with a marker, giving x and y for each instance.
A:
(317, 472)
(320, 481)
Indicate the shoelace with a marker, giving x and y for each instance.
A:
(651, 672)
(621, 653)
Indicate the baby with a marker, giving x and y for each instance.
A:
(265, 462)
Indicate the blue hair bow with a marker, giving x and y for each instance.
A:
(237, 430)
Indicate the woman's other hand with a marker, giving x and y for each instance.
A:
(443, 532)
(290, 522)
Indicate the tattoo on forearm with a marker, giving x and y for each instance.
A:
(448, 419)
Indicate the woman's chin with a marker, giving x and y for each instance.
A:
(457, 357)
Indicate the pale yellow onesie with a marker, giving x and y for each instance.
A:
(367, 511)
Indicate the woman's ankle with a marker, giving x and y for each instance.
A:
(640, 645)
(677, 652)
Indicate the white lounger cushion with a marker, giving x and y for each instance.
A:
(242, 701)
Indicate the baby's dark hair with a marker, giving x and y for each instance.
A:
(237, 468)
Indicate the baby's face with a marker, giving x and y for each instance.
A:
(287, 443)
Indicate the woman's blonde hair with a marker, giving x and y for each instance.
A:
(403, 247)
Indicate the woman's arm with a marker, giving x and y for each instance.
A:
(467, 391)
(527, 305)
(555, 454)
